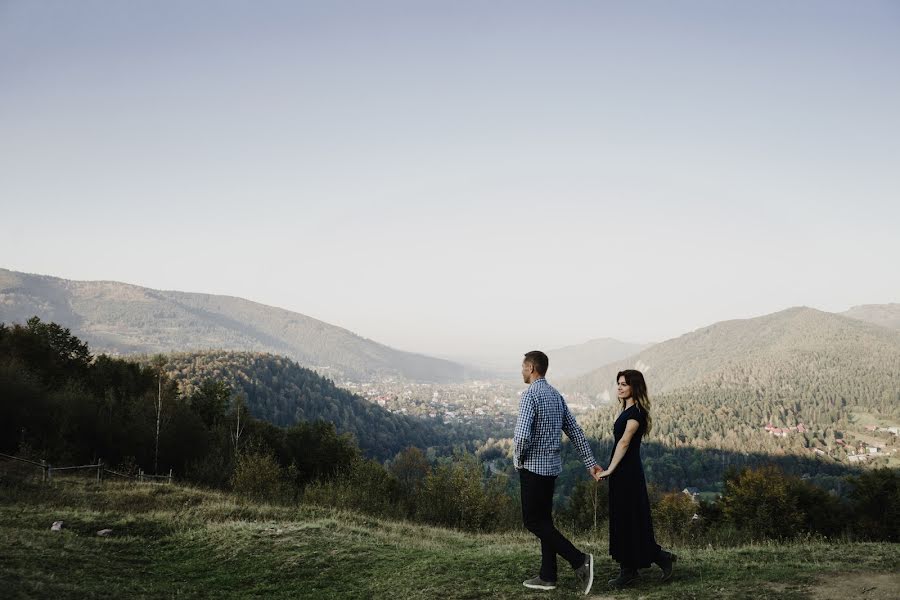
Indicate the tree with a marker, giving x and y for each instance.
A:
(673, 516)
(159, 362)
(758, 501)
(410, 467)
(210, 402)
(875, 499)
(588, 506)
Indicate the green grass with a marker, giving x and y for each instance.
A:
(172, 541)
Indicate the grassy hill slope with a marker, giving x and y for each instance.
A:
(172, 541)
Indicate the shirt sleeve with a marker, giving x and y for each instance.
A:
(524, 424)
(574, 432)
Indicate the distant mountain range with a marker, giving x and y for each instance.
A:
(120, 318)
(886, 315)
(579, 359)
(803, 337)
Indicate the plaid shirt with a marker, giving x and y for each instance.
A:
(543, 414)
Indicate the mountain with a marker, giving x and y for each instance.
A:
(790, 383)
(804, 337)
(572, 361)
(280, 391)
(121, 318)
(886, 315)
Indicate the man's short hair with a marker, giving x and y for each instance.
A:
(538, 360)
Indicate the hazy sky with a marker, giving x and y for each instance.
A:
(460, 177)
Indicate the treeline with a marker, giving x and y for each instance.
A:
(759, 504)
(278, 390)
(60, 403)
(727, 417)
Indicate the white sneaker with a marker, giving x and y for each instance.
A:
(585, 573)
(536, 583)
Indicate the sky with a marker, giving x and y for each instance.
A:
(460, 178)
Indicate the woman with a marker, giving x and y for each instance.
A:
(631, 541)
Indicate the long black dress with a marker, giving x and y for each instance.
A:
(631, 541)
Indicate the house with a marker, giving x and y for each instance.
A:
(691, 492)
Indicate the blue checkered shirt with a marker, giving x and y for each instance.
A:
(543, 414)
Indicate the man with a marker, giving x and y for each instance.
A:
(543, 414)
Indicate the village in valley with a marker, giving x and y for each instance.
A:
(486, 403)
(492, 404)
(861, 442)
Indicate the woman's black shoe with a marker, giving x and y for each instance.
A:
(666, 562)
(625, 577)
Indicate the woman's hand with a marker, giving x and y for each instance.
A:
(598, 472)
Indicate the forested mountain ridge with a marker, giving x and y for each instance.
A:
(278, 390)
(792, 382)
(121, 318)
(734, 351)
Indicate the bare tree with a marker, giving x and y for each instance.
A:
(239, 407)
(158, 362)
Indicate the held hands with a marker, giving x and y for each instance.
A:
(598, 473)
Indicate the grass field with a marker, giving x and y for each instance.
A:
(178, 542)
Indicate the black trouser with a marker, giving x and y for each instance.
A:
(537, 514)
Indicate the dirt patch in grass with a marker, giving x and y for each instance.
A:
(870, 586)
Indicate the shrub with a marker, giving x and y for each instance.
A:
(588, 508)
(759, 501)
(875, 501)
(673, 517)
(258, 475)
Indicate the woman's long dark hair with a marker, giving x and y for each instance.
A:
(639, 392)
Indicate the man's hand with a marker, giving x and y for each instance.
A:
(595, 472)
(604, 474)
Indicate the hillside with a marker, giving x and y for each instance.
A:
(886, 315)
(756, 352)
(579, 359)
(122, 318)
(176, 541)
(280, 391)
(802, 373)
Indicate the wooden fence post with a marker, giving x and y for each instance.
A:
(99, 469)
(43, 470)
(170, 475)
(49, 472)
(140, 476)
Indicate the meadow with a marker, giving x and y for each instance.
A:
(173, 541)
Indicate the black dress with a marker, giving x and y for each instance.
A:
(631, 541)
